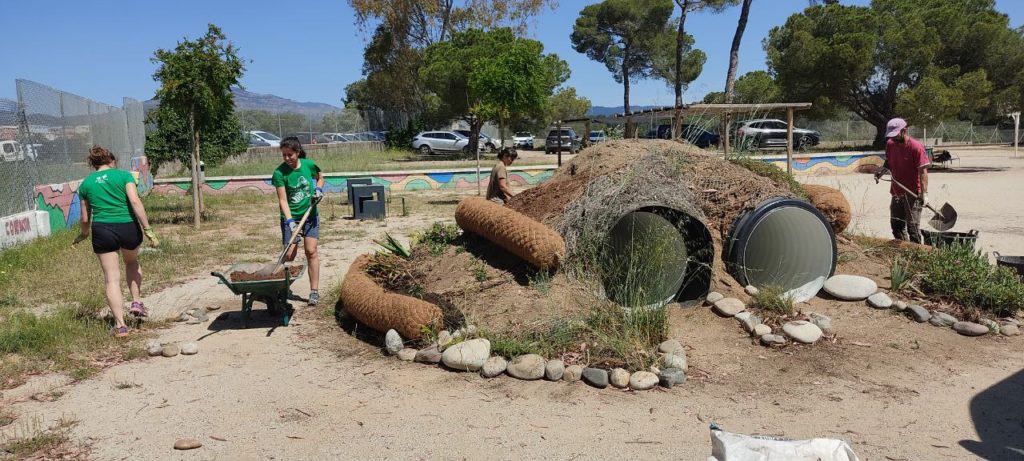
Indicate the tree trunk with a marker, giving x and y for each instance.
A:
(474, 134)
(630, 129)
(734, 53)
(196, 208)
(879, 142)
(677, 116)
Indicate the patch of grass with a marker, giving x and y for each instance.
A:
(480, 271)
(961, 274)
(608, 336)
(438, 237)
(773, 300)
(393, 246)
(540, 280)
(899, 275)
(770, 171)
(31, 439)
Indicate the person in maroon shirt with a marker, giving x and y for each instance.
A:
(907, 162)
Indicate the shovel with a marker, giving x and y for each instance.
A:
(945, 217)
(270, 268)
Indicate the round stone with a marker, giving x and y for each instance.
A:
(554, 369)
(761, 330)
(942, 319)
(596, 377)
(748, 320)
(670, 377)
(153, 348)
(643, 380)
(918, 313)
(619, 378)
(392, 342)
(170, 350)
(970, 329)
(529, 367)
(428, 355)
(669, 345)
(822, 321)
(751, 290)
(1009, 330)
(880, 301)
(494, 366)
(900, 306)
(444, 338)
(850, 287)
(572, 373)
(729, 307)
(773, 340)
(675, 360)
(407, 354)
(802, 331)
(190, 348)
(992, 326)
(714, 297)
(467, 355)
(187, 444)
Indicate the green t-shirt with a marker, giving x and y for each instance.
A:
(298, 184)
(105, 191)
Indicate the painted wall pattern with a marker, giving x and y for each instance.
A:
(829, 164)
(62, 203)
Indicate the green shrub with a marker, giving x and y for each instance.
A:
(773, 300)
(899, 274)
(770, 171)
(962, 274)
(438, 237)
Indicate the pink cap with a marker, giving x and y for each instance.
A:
(894, 127)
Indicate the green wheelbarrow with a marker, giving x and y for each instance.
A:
(273, 292)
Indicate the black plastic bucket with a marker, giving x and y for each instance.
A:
(940, 239)
(1014, 262)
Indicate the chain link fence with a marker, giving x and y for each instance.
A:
(861, 133)
(45, 136)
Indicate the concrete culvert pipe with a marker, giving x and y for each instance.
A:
(656, 255)
(784, 243)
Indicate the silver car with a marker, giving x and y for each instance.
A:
(429, 142)
(762, 133)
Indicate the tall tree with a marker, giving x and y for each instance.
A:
(734, 52)
(685, 61)
(874, 60)
(195, 83)
(623, 35)
(479, 75)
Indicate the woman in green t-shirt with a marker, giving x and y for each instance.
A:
(300, 186)
(112, 212)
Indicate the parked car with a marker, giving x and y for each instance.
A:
(570, 141)
(309, 137)
(485, 141)
(429, 142)
(694, 134)
(761, 133)
(598, 136)
(336, 137)
(522, 139)
(13, 151)
(270, 138)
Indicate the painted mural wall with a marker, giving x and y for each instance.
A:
(61, 202)
(829, 164)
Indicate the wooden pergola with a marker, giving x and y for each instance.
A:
(727, 110)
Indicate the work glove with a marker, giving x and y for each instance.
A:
(879, 173)
(292, 225)
(79, 238)
(318, 195)
(151, 235)
(923, 198)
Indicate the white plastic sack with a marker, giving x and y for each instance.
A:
(726, 446)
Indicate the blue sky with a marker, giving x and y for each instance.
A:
(308, 50)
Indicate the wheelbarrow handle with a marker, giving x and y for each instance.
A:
(221, 277)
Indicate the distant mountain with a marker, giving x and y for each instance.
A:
(602, 111)
(245, 100)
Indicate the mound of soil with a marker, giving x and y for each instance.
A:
(832, 203)
(253, 274)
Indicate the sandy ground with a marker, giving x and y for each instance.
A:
(895, 390)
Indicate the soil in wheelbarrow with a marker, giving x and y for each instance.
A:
(252, 274)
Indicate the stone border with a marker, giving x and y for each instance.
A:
(464, 350)
(798, 331)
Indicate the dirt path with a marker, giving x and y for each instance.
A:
(894, 389)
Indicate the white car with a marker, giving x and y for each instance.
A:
(13, 151)
(522, 139)
(269, 138)
(429, 142)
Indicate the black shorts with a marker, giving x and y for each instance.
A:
(108, 237)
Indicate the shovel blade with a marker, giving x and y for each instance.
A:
(944, 219)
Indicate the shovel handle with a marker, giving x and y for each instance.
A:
(927, 205)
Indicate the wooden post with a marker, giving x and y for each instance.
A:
(586, 133)
(789, 140)
(558, 127)
(725, 137)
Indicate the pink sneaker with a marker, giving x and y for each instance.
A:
(121, 332)
(138, 309)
